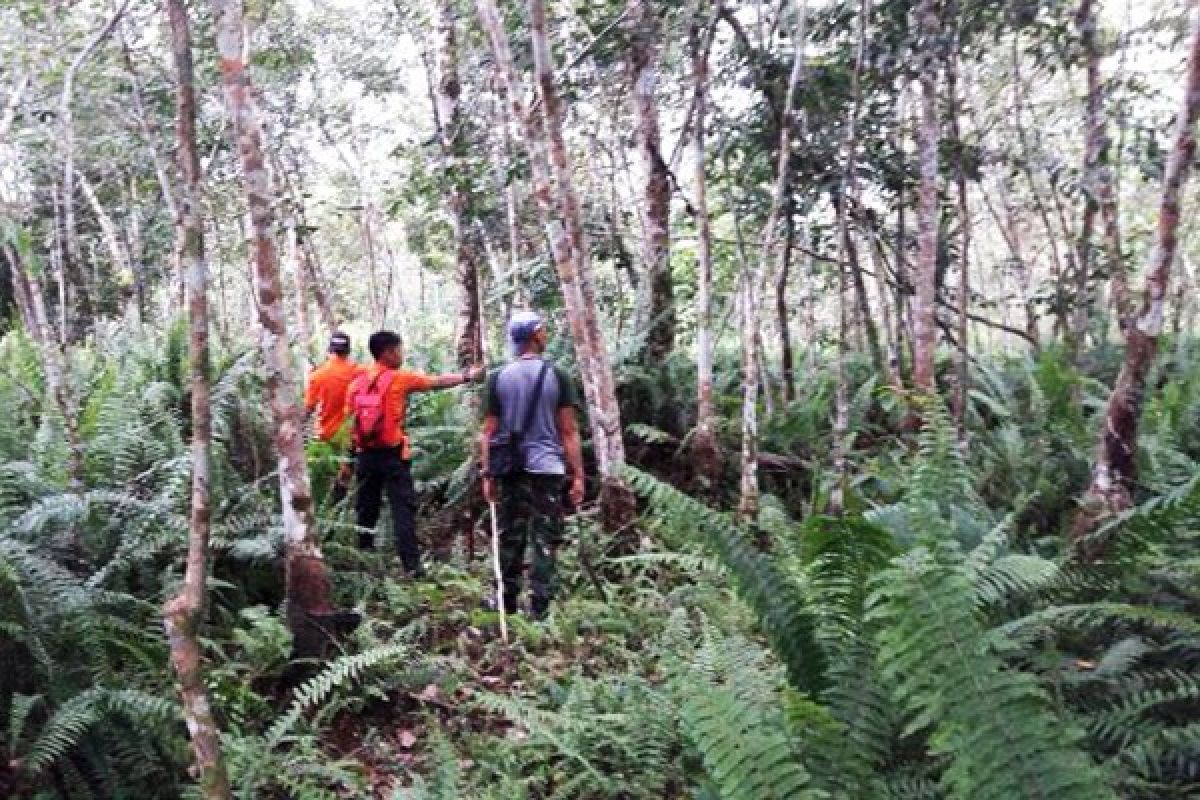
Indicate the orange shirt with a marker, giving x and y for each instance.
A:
(326, 392)
(396, 403)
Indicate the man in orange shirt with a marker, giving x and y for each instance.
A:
(326, 394)
(378, 400)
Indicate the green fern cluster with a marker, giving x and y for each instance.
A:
(775, 598)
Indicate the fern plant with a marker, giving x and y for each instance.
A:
(775, 598)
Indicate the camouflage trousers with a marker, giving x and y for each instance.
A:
(531, 517)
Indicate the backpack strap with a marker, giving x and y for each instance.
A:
(531, 409)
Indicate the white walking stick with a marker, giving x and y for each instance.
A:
(499, 574)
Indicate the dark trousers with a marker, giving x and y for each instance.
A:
(341, 482)
(380, 472)
(531, 516)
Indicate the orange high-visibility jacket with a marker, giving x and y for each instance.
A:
(395, 403)
(326, 393)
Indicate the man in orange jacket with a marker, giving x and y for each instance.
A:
(378, 400)
(326, 394)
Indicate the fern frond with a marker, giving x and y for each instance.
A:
(995, 724)
(742, 740)
(777, 600)
(318, 689)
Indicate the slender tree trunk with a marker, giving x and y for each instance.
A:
(1099, 180)
(863, 303)
(553, 190)
(656, 301)
(1062, 324)
(183, 614)
(962, 353)
(295, 256)
(66, 120)
(1115, 473)
(925, 310)
(846, 190)
(458, 183)
(121, 258)
(904, 332)
(308, 586)
(704, 442)
(160, 167)
(882, 289)
(749, 500)
(787, 360)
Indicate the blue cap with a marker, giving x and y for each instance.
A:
(523, 325)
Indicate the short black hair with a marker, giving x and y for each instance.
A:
(339, 344)
(382, 341)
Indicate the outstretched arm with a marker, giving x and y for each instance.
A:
(568, 434)
(452, 379)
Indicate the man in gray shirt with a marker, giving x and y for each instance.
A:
(530, 498)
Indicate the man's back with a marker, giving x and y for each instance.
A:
(509, 393)
(327, 393)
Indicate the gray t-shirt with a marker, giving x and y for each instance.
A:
(508, 395)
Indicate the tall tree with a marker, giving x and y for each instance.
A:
(307, 585)
(184, 613)
(928, 134)
(655, 316)
(457, 175)
(66, 121)
(962, 352)
(755, 283)
(558, 204)
(1098, 180)
(1115, 473)
(704, 440)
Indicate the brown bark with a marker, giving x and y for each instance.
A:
(749, 499)
(704, 441)
(962, 354)
(846, 190)
(655, 316)
(308, 586)
(928, 134)
(1062, 323)
(787, 359)
(457, 178)
(1115, 473)
(66, 119)
(300, 283)
(1099, 188)
(554, 193)
(117, 251)
(183, 614)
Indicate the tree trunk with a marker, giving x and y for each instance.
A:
(962, 354)
(121, 258)
(1062, 324)
(66, 120)
(458, 182)
(787, 359)
(841, 421)
(749, 499)
(1115, 474)
(553, 190)
(1098, 180)
(308, 587)
(924, 310)
(183, 614)
(295, 257)
(705, 450)
(655, 316)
